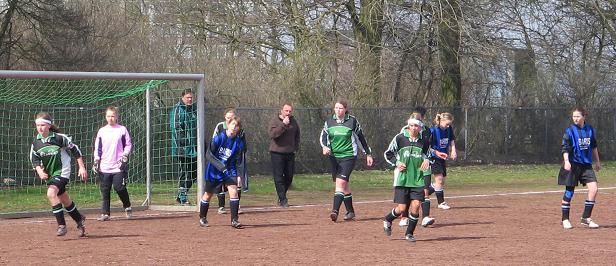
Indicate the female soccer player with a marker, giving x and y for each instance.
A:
(225, 149)
(409, 154)
(50, 159)
(579, 146)
(339, 139)
(111, 149)
(419, 114)
(444, 146)
(243, 180)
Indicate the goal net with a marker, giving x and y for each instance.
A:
(77, 103)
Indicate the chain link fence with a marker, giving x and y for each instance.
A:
(483, 135)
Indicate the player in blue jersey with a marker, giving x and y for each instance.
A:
(222, 157)
(579, 146)
(444, 147)
(50, 155)
(220, 192)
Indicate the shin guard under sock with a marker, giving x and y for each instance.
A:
(348, 202)
(234, 204)
(58, 212)
(203, 208)
(338, 199)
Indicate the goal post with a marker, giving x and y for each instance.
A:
(76, 101)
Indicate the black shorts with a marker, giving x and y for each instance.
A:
(579, 174)
(404, 195)
(211, 186)
(439, 167)
(60, 183)
(342, 167)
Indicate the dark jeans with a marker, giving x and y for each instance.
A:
(188, 172)
(283, 168)
(119, 185)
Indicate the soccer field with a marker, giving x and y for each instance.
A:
(503, 225)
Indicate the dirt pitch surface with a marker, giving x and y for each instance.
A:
(504, 229)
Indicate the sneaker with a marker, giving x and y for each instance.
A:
(589, 222)
(444, 206)
(221, 210)
(104, 217)
(235, 224)
(404, 222)
(427, 221)
(81, 226)
(410, 238)
(203, 222)
(567, 224)
(61, 230)
(349, 216)
(387, 228)
(334, 216)
(129, 212)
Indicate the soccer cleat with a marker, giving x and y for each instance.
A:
(589, 223)
(235, 224)
(61, 230)
(104, 217)
(404, 222)
(349, 216)
(410, 238)
(427, 221)
(203, 222)
(387, 228)
(334, 216)
(567, 224)
(221, 210)
(81, 226)
(129, 212)
(444, 206)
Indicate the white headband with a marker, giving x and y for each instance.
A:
(415, 122)
(42, 121)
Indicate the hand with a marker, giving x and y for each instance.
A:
(369, 160)
(598, 166)
(326, 150)
(425, 164)
(567, 166)
(96, 167)
(441, 155)
(454, 155)
(42, 174)
(286, 120)
(401, 167)
(83, 173)
(124, 163)
(225, 173)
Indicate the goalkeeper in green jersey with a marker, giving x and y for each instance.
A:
(408, 152)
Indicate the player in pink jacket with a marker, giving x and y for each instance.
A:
(111, 149)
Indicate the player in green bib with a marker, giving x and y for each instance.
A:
(408, 152)
(341, 139)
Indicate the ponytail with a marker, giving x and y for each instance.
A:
(441, 116)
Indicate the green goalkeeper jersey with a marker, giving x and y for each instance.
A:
(411, 152)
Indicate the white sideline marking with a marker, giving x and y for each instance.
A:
(257, 209)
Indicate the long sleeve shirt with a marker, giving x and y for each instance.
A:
(112, 142)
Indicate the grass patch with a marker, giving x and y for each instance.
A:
(318, 189)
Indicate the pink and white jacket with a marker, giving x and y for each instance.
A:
(112, 142)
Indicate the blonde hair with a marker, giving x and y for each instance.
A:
(114, 109)
(442, 116)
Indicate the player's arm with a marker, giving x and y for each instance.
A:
(391, 152)
(76, 152)
(364, 144)
(595, 152)
(566, 149)
(178, 125)
(212, 159)
(324, 140)
(37, 163)
(452, 150)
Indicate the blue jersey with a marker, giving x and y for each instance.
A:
(441, 138)
(579, 143)
(222, 156)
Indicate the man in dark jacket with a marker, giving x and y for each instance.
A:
(183, 123)
(284, 132)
